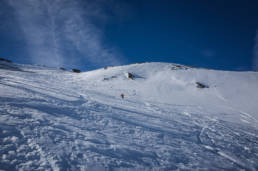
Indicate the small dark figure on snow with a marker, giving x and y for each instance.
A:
(122, 95)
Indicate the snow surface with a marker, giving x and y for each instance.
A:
(59, 120)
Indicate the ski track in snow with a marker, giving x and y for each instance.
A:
(47, 123)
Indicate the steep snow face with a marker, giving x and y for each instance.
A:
(52, 119)
(165, 83)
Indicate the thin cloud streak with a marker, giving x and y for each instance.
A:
(60, 32)
(255, 53)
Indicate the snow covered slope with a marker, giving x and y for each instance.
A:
(52, 119)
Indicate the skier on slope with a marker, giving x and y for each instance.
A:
(122, 95)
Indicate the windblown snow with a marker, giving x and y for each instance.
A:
(51, 119)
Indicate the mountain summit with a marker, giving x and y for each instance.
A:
(170, 117)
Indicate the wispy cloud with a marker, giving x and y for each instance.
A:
(59, 32)
(255, 52)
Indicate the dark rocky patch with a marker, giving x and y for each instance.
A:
(5, 60)
(130, 75)
(76, 70)
(179, 67)
(201, 85)
(109, 78)
(61, 68)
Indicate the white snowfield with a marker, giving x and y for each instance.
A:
(52, 119)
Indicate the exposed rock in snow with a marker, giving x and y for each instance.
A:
(76, 70)
(178, 67)
(5, 60)
(129, 75)
(62, 68)
(201, 85)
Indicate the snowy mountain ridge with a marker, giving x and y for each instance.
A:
(53, 119)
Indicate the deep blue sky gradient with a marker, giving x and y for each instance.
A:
(181, 31)
(212, 34)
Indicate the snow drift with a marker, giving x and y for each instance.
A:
(53, 119)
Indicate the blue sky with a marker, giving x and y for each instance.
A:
(89, 34)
